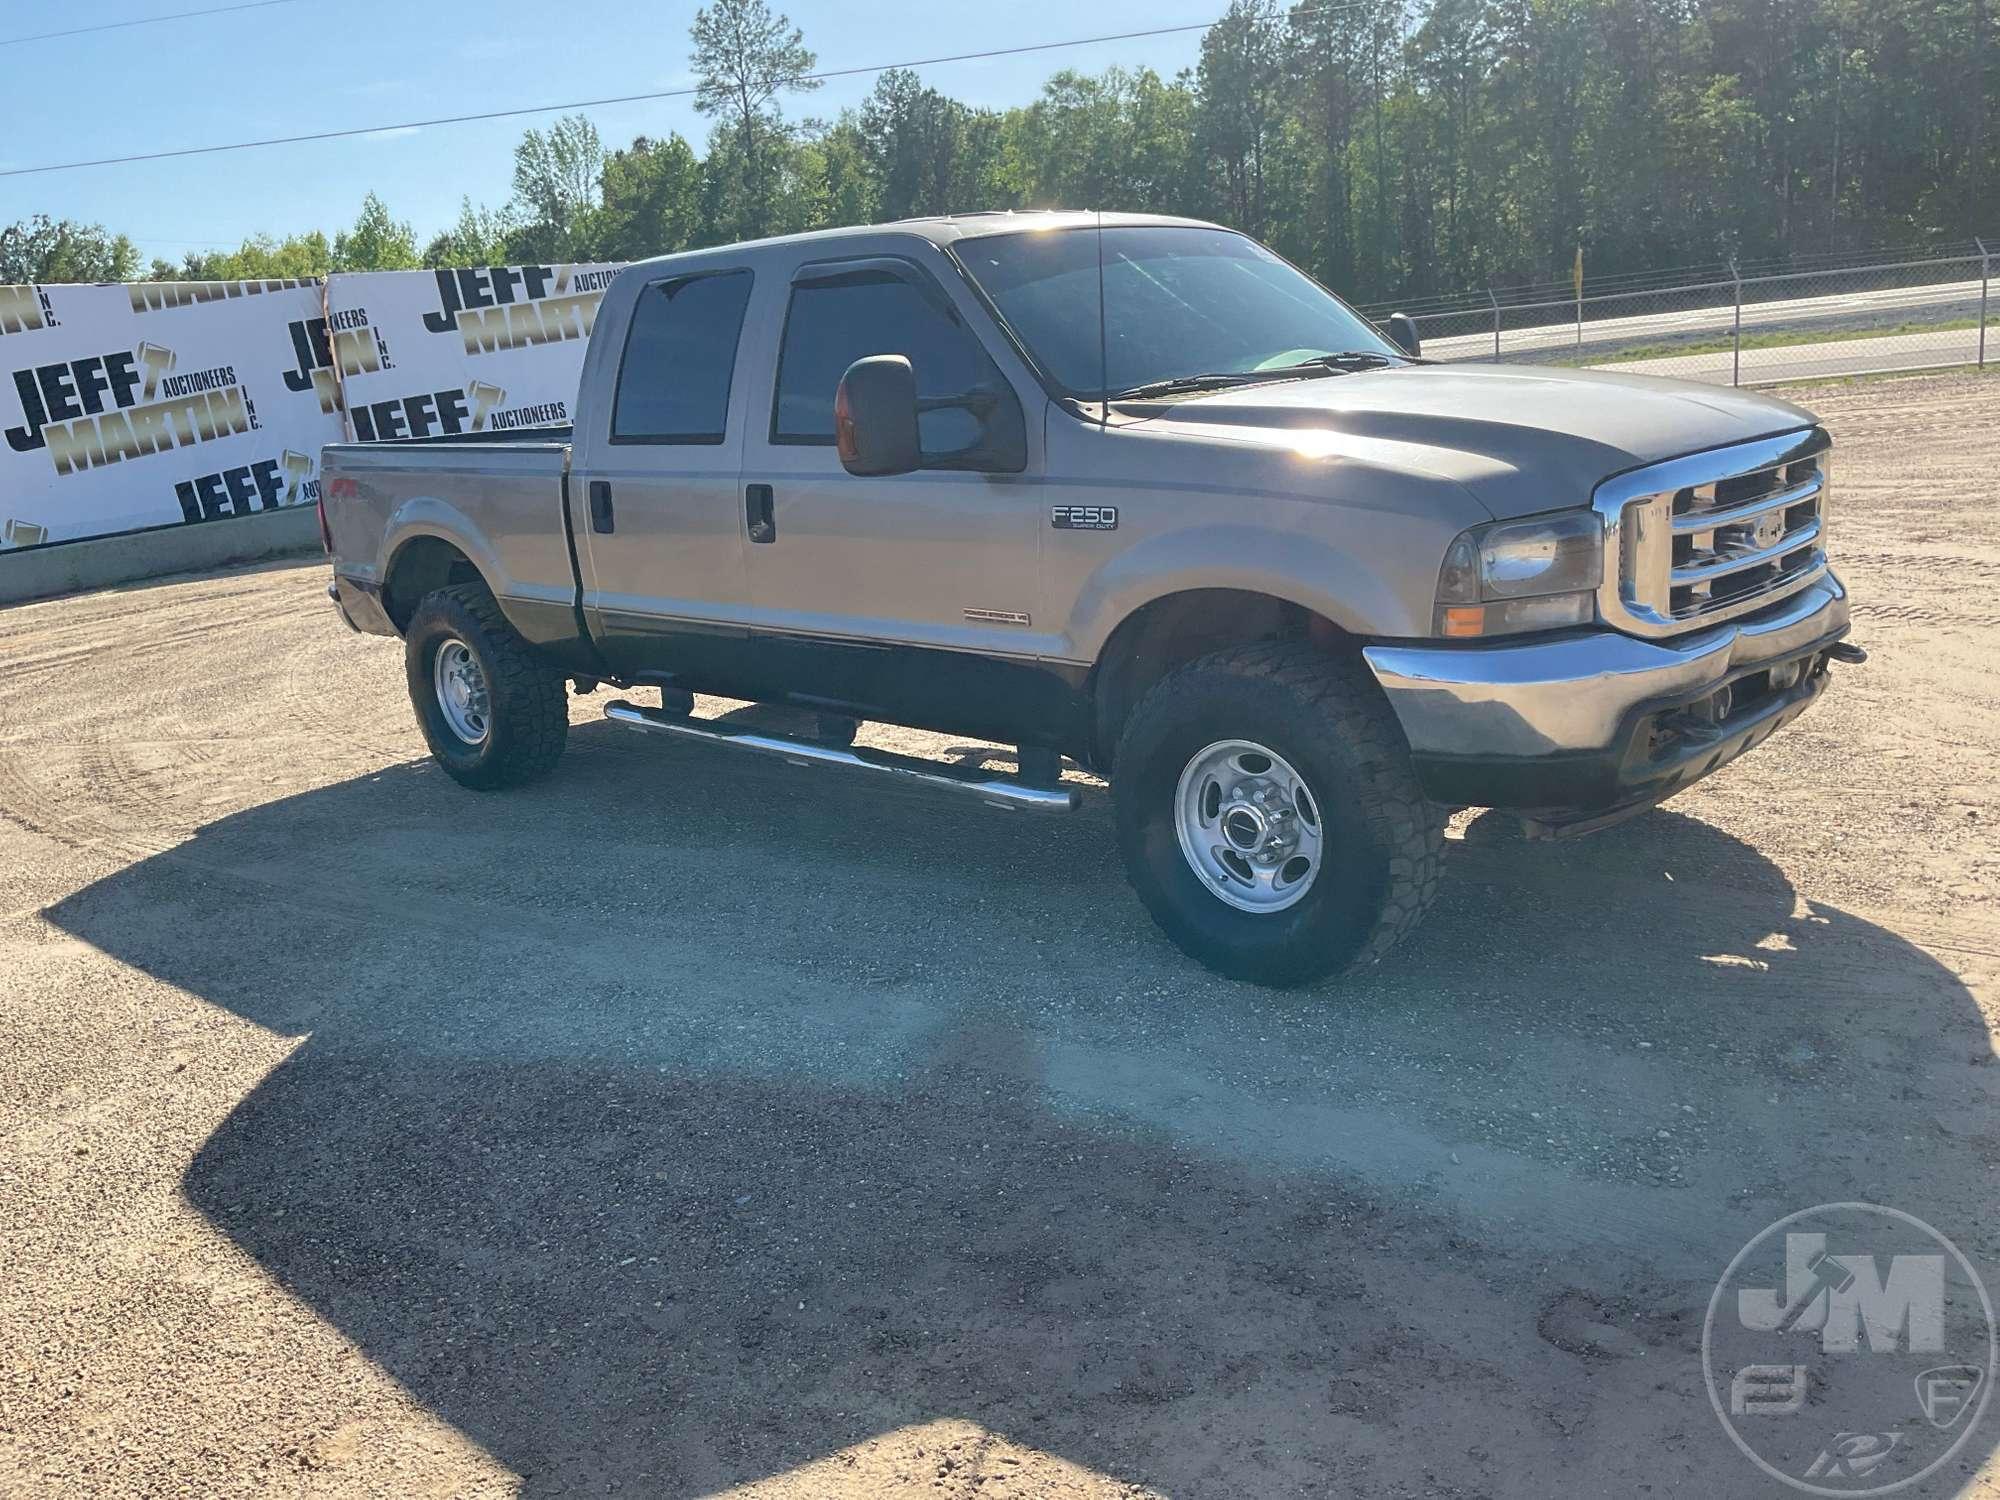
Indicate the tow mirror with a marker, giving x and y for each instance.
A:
(1402, 331)
(875, 423)
(875, 416)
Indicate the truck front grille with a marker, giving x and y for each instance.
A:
(1706, 538)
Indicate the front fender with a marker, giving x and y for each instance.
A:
(1314, 574)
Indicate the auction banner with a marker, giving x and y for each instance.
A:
(479, 349)
(155, 403)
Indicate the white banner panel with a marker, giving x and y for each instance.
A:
(484, 349)
(157, 403)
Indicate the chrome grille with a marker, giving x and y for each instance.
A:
(1715, 535)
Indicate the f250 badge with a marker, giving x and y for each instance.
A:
(1084, 517)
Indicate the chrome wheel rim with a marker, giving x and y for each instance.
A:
(461, 691)
(1249, 826)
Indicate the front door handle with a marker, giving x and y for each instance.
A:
(600, 505)
(757, 510)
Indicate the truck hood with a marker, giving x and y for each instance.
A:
(1519, 439)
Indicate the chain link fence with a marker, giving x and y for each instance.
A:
(1733, 329)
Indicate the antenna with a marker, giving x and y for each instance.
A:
(1103, 346)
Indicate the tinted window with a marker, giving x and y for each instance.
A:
(674, 384)
(829, 327)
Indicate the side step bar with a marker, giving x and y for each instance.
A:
(997, 791)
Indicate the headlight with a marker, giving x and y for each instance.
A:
(1510, 576)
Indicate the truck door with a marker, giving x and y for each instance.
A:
(654, 487)
(912, 594)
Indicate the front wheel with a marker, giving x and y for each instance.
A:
(1270, 818)
(492, 714)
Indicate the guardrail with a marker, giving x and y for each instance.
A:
(1746, 330)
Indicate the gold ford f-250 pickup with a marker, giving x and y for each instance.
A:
(1130, 490)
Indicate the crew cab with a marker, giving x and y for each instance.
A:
(1132, 491)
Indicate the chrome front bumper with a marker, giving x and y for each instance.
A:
(1553, 722)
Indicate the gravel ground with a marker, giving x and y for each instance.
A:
(693, 1123)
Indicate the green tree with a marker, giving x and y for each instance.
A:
(377, 242)
(846, 189)
(1335, 55)
(744, 57)
(1440, 110)
(1242, 84)
(1115, 140)
(57, 250)
(260, 258)
(652, 200)
(916, 141)
(478, 238)
(556, 180)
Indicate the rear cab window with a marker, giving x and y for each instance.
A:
(679, 360)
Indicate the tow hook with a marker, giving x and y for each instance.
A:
(1848, 652)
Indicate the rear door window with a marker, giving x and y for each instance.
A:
(680, 355)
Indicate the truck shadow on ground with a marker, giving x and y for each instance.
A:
(687, 1119)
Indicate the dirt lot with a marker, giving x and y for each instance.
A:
(691, 1122)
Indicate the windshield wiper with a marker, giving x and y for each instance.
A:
(1181, 384)
(1319, 364)
(1337, 364)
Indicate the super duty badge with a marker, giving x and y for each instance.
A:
(1084, 517)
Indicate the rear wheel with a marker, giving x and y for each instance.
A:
(493, 715)
(1269, 815)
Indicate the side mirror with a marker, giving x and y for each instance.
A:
(875, 416)
(1402, 331)
(875, 428)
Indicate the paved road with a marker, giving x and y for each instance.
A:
(1886, 308)
(1903, 351)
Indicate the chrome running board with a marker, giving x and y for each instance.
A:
(996, 791)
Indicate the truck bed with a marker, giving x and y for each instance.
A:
(500, 496)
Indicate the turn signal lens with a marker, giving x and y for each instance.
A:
(1508, 616)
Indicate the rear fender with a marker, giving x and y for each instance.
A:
(427, 516)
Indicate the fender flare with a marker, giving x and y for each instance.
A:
(425, 516)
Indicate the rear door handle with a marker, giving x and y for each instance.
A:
(758, 512)
(600, 505)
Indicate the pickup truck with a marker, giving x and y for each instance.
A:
(1133, 491)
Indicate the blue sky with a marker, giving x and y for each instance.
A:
(317, 66)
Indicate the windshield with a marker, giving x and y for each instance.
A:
(1177, 301)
